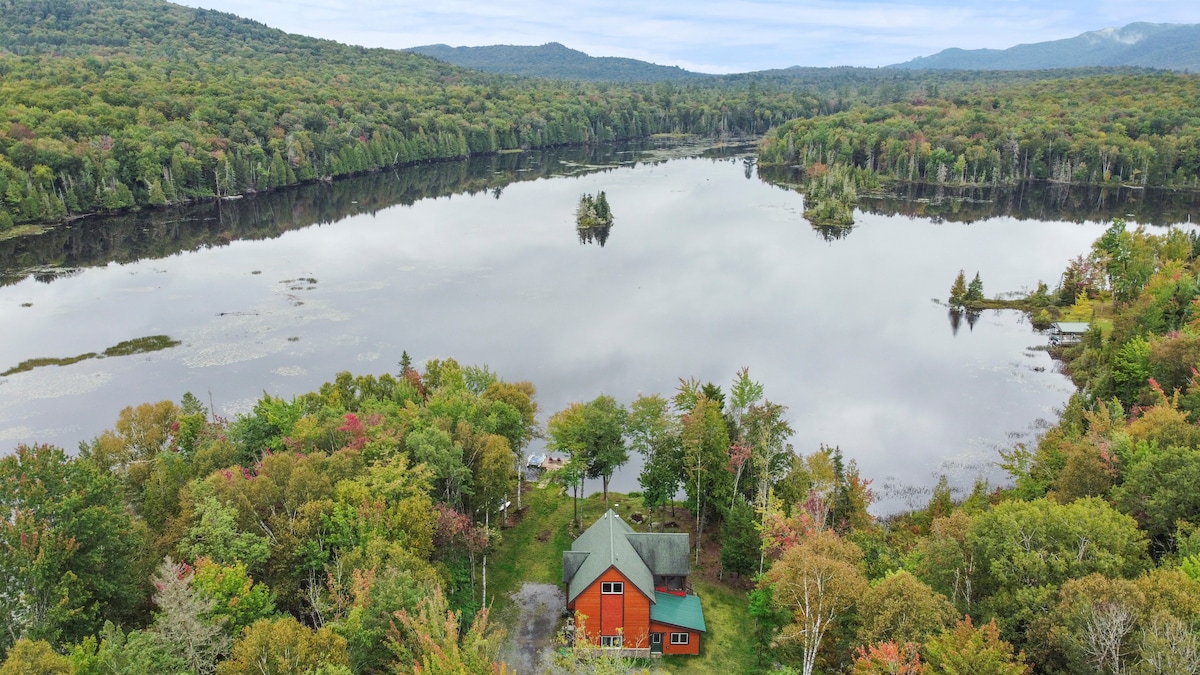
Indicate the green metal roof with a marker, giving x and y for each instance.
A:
(600, 547)
(678, 610)
(1072, 327)
(611, 542)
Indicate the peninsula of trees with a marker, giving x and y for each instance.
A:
(1139, 130)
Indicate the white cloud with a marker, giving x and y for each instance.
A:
(708, 35)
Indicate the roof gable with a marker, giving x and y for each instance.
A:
(602, 546)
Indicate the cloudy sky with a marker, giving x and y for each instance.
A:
(717, 36)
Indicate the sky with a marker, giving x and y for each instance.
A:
(713, 36)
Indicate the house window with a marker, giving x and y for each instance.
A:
(610, 640)
(612, 587)
(679, 638)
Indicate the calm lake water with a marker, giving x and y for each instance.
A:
(707, 269)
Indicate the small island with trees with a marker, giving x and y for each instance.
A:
(593, 218)
(829, 196)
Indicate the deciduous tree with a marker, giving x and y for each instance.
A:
(68, 548)
(888, 658)
(1027, 550)
(900, 609)
(967, 650)
(283, 647)
(653, 432)
(817, 581)
(594, 432)
(28, 657)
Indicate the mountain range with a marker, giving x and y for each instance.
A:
(1139, 45)
(555, 61)
(1147, 45)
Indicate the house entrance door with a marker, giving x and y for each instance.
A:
(656, 643)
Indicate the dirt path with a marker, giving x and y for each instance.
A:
(530, 639)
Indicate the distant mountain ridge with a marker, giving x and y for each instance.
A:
(1146, 45)
(555, 61)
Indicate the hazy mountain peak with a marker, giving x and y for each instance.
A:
(1128, 35)
(1142, 44)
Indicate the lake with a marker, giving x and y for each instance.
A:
(707, 269)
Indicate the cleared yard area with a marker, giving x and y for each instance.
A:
(531, 551)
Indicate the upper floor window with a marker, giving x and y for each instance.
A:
(612, 587)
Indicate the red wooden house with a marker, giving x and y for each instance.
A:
(629, 589)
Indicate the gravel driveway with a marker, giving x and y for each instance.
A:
(530, 640)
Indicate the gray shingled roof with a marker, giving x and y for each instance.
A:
(572, 560)
(603, 545)
(665, 553)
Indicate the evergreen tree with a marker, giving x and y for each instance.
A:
(958, 291)
(157, 197)
(975, 290)
(602, 210)
(740, 541)
(593, 212)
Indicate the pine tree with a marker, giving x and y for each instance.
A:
(958, 291)
(157, 197)
(975, 291)
(602, 211)
(593, 212)
(740, 542)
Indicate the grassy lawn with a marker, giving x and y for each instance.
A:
(728, 646)
(531, 550)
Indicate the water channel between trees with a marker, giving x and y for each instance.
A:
(707, 268)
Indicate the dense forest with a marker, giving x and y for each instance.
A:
(285, 539)
(112, 104)
(132, 102)
(1142, 130)
(342, 531)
